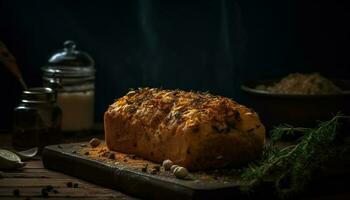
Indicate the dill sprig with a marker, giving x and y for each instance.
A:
(292, 167)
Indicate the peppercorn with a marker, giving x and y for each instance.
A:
(69, 184)
(16, 192)
(44, 193)
(49, 188)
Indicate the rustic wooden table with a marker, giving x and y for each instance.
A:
(36, 182)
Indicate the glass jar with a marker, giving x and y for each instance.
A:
(72, 74)
(37, 119)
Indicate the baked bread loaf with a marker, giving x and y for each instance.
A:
(195, 130)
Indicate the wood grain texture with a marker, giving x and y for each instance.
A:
(34, 177)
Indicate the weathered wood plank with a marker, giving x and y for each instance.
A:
(33, 170)
(32, 175)
(61, 192)
(74, 198)
(34, 164)
(57, 182)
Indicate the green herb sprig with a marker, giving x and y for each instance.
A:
(292, 167)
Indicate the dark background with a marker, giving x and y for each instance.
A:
(199, 45)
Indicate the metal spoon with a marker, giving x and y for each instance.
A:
(27, 154)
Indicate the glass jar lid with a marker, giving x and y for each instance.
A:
(69, 62)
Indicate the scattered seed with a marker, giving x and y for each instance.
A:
(16, 192)
(177, 115)
(94, 142)
(180, 172)
(172, 168)
(132, 156)
(69, 184)
(102, 151)
(111, 156)
(144, 169)
(167, 164)
(156, 167)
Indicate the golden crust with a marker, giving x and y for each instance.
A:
(195, 130)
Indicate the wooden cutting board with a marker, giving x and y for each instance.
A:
(138, 177)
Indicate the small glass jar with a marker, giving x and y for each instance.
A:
(37, 119)
(75, 73)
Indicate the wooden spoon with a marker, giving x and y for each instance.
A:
(10, 63)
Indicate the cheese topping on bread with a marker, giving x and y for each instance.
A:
(193, 129)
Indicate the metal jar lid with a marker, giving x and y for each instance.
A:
(69, 62)
(39, 95)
